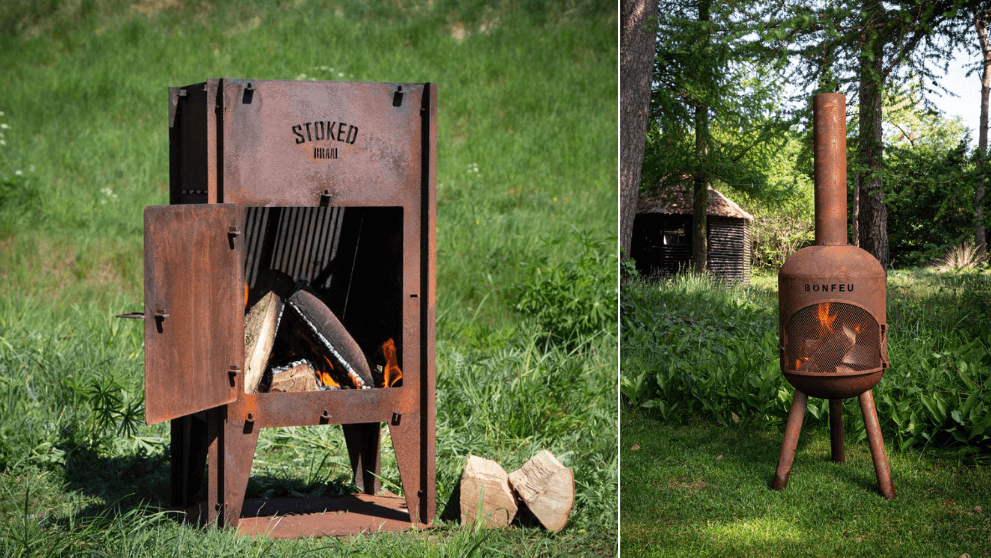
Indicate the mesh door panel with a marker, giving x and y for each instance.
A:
(832, 337)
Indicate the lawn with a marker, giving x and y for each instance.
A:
(526, 213)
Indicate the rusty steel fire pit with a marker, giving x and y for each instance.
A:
(330, 188)
(831, 312)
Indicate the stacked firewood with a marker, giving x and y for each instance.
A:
(293, 343)
(542, 485)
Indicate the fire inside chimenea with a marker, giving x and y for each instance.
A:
(291, 282)
(831, 304)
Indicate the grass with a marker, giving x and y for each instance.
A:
(526, 184)
(699, 489)
(705, 408)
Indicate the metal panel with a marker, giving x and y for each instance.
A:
(193, 316)
(360, 143)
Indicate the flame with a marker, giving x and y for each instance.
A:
(391, 372)
(327, 380)
(825, 320)
(245, 296)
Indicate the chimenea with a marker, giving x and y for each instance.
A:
(831, 312)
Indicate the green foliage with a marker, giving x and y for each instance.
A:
(714, 109)
(777, 234)
(573, 300)
(692, 347)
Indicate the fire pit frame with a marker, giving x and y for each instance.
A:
(832, 262)
(234, 144)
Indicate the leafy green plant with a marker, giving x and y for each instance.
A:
(575, 299)
(693, 347)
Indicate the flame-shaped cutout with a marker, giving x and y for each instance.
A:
(391, 372)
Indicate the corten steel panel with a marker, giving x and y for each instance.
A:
(193, 316)
(193, 143)
(360, 143)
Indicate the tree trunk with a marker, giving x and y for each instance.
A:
(981, 23)
(636, 75)
(700, 178)
(700, 244)
(873, 213)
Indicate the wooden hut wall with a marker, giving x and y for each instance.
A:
(648, 247)
(729, 245)
(729, 248)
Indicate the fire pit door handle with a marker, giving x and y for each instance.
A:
(161, 314)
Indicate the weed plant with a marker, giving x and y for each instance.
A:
(526, 206)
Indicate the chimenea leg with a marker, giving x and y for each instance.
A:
(790, 444)
(365, 450)
(837, 452)
(878, 454)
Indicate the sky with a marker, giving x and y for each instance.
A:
(968, 104)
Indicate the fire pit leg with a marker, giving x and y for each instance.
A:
(365, 450)
(188, 448)
(790, 444)
(415, 447)
(231, 451)
(837, 452)
(878, 454)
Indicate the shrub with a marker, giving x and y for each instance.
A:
(572, 300)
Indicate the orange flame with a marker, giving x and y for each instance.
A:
(391, 372)
(825, 320)
(327, 380)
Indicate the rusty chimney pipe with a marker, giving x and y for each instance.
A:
(829, 146)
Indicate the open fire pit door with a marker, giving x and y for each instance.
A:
(313, 205)
(832, 319)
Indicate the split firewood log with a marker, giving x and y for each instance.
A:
(862, 356)
(547, 488)
(261, 324)
(297, 376)
(485, 494)
(330, 337)
(260, 327)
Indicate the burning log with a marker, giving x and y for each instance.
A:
(321, 332)
(485, 494)
(828, 353)
(296, 377)
(547, 488)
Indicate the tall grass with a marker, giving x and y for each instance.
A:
(526, 183)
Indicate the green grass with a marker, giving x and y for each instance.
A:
(527, 163)
(699, 489)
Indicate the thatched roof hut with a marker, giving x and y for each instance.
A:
(662, 234)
